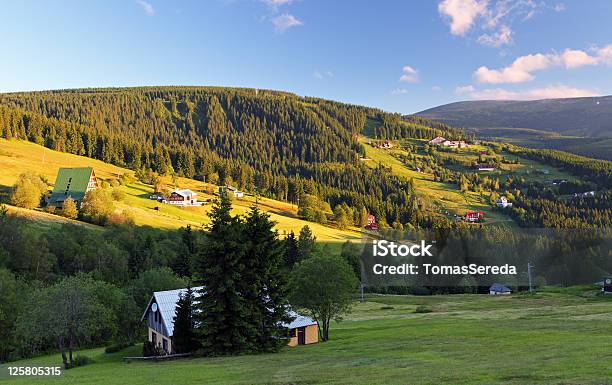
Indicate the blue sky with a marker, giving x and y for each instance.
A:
(402, 56)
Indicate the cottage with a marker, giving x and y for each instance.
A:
(161, 309)
(182, 198)
(372, 225)
(485, 167)
(385, 144)
(72, 183)
(232, 191)
(499, 289)
(454, 144)
(557, 182)
(474, 216)
(437, 140)
(503, 202)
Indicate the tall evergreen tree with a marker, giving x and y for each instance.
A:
(222, 315)
(265, 284)
(291, 250)
(306, 243)
(184, 338)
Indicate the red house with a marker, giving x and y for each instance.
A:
(474, 216)
(372, 225)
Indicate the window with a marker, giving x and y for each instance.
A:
(292, 333)
(165, 344)
(154, 338)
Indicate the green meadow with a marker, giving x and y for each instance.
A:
(556, 337)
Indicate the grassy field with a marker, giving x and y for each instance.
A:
(17, 157)
(547, 338)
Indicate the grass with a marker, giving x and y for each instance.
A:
(546, 338)
(17, 157)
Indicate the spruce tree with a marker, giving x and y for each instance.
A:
(183, 338)
(222, 314)
(264, 282)
(292, 252)
(306, 243)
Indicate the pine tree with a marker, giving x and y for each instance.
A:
(184, 338)
(292, 252)
(222, 312)
(264, 282)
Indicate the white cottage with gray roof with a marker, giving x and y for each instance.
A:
(160, 321)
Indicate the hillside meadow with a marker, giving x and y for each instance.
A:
(546, 338)
(17, 157)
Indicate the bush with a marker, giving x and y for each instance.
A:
(97, 206)
(118, 195)
(69, 209)
(422, 309)
(79, 360)
(114, 183)
(27, 192)
(126, 179)
(118, 347)
(124, 217)
(50, 209)
(150, 350)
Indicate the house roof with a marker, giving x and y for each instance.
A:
(71, 182)
(184, 192)
(166, 305)
(498, 287)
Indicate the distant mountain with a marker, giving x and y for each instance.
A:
(579, 117)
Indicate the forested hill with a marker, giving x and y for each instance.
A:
(585, 117)
(274, 143)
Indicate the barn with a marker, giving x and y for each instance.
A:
(72, 183)
(161, 309)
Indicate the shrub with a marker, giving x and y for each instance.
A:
(97, 206)
(150, 350)
(69, 209)
(79, 360)
(124, 217)
(27, 192)
(114, 183)
(423, 309)
(118, 195)
(126, 179)
(50, 209)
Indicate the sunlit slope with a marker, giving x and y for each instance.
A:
(17, 157)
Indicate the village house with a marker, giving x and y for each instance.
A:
(607, 286)
(182, 198)
(503, 202)
(385, 144)
(585, 194)
(72, 183)
(485, 167)
(372, 225)
(161, 309)
(440, 141)
(437, 140)
(499, 289)
(232, 191)
(474, 216)
(557, 182)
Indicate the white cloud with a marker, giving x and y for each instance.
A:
(550, 92)
(494, 17)
(559, 7)
(410, 75)
(462, 13)
(323, 74)
(436, 88)
(521, 69)
(275, 4)
(284, 22)
(604, 54)
(497, 39)
(464, 89)
(147, 7)
(399, 91)
(573, 58)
